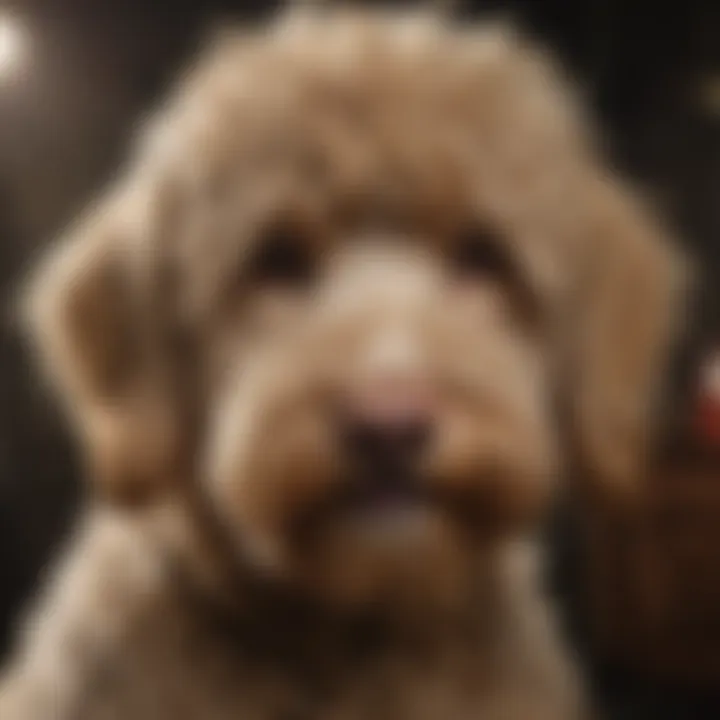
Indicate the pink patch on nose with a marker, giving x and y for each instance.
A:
(392, 401)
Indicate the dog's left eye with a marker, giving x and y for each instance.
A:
(282, 258)
(478, 254)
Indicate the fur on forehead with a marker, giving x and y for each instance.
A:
(457, 124)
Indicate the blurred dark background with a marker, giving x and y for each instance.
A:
(81, 73)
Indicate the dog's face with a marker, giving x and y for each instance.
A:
(386, 415)
(362, 265)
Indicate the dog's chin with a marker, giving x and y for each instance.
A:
(386, 552)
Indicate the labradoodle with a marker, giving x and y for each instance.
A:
(364, 293)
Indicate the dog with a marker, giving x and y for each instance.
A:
(364, 296)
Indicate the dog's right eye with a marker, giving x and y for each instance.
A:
(480, 256)
(282, 259)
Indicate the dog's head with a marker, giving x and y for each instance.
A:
(367, 291)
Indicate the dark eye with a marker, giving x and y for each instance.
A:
(283, 258)
(478, 254)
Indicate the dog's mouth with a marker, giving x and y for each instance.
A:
(382, 494)
(388, 495)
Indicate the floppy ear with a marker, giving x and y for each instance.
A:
(628, 307)
(87, 313)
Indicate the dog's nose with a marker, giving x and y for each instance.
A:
(388, 425)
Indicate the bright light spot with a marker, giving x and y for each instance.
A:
(13, 46)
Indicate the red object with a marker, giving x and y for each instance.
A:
(707, 420)
(707, 411)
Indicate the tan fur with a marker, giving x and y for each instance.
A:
(204, 397)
